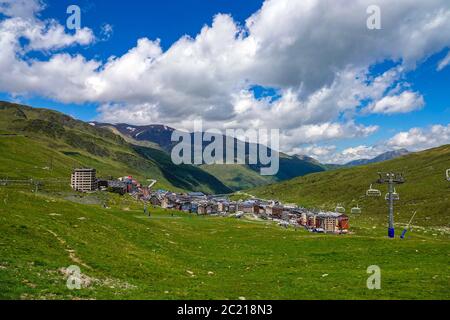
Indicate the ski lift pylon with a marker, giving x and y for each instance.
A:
(371, 192)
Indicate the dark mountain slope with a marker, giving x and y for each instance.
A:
(233, 176)
(31, 139)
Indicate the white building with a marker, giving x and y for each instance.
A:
(83, 180)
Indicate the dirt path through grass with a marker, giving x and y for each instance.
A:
(69, 250)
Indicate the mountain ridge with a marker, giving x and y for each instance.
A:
(51, 136)
(388, 155)
(234, 176)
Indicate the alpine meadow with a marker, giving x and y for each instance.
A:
(225, 159)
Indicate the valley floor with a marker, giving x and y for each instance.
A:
(124, 254)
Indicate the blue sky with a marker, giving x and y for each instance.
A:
(134, 19)
(236, 81)
(434, 86)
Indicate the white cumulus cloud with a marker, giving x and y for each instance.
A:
(414, 139)
(404, 102)
(421, 138)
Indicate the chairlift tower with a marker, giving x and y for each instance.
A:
(391, 178)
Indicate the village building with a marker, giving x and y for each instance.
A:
(194, 207)
(311, 220)
(222, 206)
(155, 200)
(131, 184)
(201, 208)
(260, 209)
(332, 222)
(232, 207)
(275, 211)
(186, 207)
(303, 219)
(343, 223)
(168, 201)
(197, 195)
(211, 208)
(329, 222)
(117, 186)
(83, 179)
(246, 207)
(102, 184)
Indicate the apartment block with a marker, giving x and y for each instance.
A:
(84, 179)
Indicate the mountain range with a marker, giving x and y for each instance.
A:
(35, 137)
(234, 176)
(160, 135)
(119, 149)
(388, 155)
(382, 157)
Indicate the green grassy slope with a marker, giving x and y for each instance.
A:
(238, 177)
(182, 176)
(39, 143)
(426, 189)
(127, 255)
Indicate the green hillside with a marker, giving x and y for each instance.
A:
(124, 254)
(39, 143)
(238, 177)
(426, 189)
